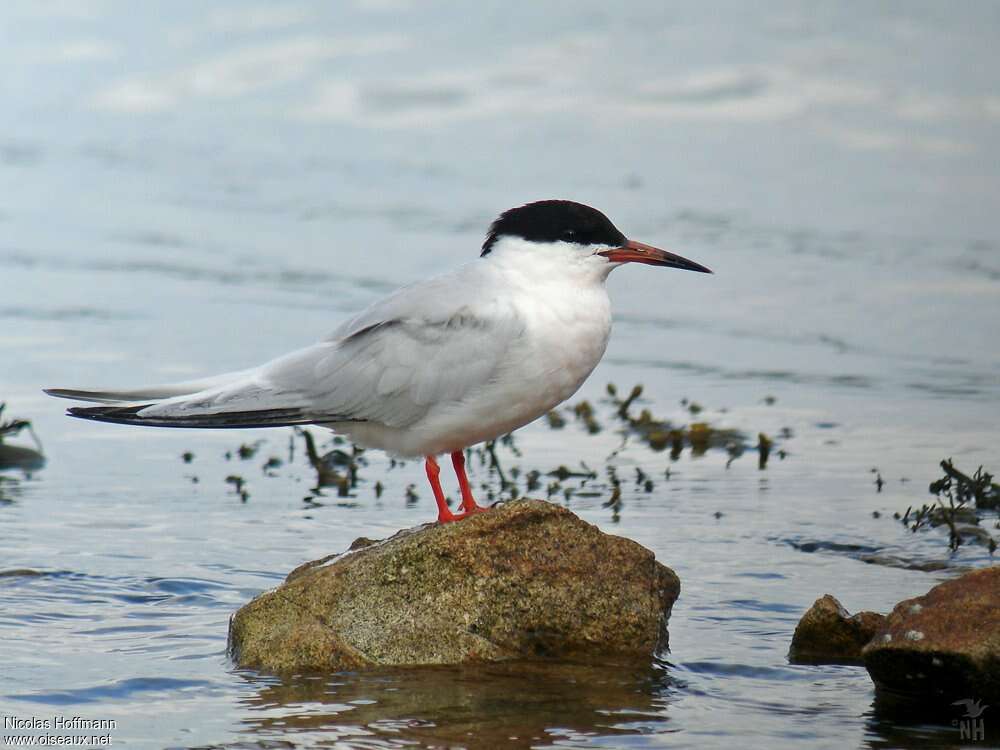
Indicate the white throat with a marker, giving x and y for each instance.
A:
(551, 262)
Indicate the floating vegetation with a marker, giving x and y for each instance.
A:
(239, 486)
(584, 412)
(488, 451)
(17, 456)
(661, 434)
(979, 488)
(11, 427)
(249, 450)
(642, 480)
(270, 465)
(555, 420)
(633, 424)
(533, 480)
(764, 444)
(502, 473)
(958, 497)
(411, 494)
(626, 404)
(336, 468)
(693, 407)
(562, 473)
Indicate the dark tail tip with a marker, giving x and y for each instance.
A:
(118, 414)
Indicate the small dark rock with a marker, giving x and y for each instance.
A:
(827, 634)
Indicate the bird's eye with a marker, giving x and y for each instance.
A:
(569, 235)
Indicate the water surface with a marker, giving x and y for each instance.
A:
(190, 190)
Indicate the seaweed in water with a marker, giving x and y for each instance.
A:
(239, 486)
(339, 464)
(958, 496)
(979, 488)
(248, 450)
(14, 456)
(585, 413)
(660, 434)
(326, 465)
(764, 444)
(11, 427)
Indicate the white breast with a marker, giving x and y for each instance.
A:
(565, 322)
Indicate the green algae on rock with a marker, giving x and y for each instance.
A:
(944, 645)
(527, 579)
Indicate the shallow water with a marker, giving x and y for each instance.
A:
(190, 190)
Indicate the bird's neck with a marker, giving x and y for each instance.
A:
(549, 265)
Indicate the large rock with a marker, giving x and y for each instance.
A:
(827, 634)
(944, 645)
(526, 579)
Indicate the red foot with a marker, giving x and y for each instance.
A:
(444, 512)
(469, 505)
(468, 501)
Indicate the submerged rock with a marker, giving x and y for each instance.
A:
(527, 579)
(827, 634)
(944, 645)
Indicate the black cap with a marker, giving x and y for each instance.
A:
(555, 220)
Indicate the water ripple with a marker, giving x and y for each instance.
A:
(121, 689)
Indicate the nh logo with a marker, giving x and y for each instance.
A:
(972, 729)
(971, 726)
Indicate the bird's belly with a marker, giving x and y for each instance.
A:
(545, 369)
(500, 408)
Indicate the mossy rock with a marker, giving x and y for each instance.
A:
(527, 579)
(828, 634)
(944, 645)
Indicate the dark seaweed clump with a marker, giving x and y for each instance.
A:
(622, 414)
(16, 456)
(959, 499)
(699, 435)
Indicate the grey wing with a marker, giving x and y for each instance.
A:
(393, 370)
(425, 344)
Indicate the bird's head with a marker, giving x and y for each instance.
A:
(573, 233)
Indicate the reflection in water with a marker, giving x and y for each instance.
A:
(899, 722)
(20, 457)
(16, 456)
(508, 704)
(8, 489)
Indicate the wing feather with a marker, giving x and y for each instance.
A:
(428, 344)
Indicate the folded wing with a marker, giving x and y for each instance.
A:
(389, 365)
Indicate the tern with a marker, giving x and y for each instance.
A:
(439, 365)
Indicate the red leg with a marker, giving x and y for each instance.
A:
(468, 501)
(444, 512)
